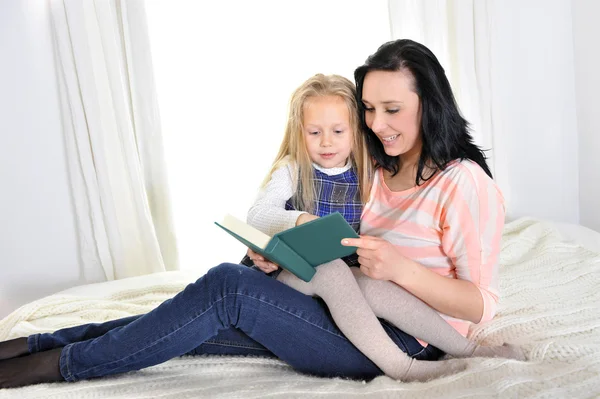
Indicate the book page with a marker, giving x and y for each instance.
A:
(246, 231)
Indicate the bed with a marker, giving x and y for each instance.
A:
(549, 277)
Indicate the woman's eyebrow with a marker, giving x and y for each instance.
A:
(385, 102)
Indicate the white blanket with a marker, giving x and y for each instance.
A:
(550, 304)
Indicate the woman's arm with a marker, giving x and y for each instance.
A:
(381, 260)
(457, 298)
(472, 223)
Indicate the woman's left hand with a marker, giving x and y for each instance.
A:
(378, 258)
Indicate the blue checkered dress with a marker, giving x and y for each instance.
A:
(337, 193)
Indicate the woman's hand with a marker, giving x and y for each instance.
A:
(262, 263)
(378, 258)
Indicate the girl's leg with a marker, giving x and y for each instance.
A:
(294, 327)
(407, 312)
(336, 285)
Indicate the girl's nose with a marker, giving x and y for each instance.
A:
(326, 140)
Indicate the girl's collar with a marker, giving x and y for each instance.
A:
(334, 171)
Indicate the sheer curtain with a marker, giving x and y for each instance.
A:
(459, 34)
(113, 138)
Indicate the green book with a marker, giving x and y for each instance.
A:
(299, 249)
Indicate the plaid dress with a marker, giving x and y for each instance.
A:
(336, 193)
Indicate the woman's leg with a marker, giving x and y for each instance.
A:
(292, 326)
(231, 342)
(335, 283)
(13, 348)
(66, 336)
(407, 312)
(43, 342)
(227, 342)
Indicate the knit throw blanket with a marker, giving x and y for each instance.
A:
(550, 304)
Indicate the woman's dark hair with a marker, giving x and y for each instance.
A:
(445, 133)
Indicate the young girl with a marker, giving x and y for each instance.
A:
(322, 167)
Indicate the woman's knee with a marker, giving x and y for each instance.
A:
(226, 272)
(217, 281)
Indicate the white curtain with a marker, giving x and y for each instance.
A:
(113, 138)
(459, 34)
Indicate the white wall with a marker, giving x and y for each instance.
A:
(586, 34)
(38, 254)
(535, 78)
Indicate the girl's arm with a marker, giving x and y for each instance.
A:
(268, 214)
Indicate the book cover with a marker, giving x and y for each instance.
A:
(299, 249)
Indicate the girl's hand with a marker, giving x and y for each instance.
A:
(304, 218)
(262, 263)
(378, 258)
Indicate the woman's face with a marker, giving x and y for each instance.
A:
(393, 112)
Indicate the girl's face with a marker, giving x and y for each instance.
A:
(393, 112)
(327, 132)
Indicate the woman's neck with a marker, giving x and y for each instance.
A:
(409, 161)
(408, 166)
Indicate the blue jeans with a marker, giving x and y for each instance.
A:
(231, 310)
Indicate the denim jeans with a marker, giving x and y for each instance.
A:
(232, 310)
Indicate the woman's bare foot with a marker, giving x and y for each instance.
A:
(33, 369)
(13, 348)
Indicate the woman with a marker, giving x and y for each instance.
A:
(434, 213)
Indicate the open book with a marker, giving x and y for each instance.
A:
(299, 249)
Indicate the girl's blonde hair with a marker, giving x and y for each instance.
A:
(293, 148)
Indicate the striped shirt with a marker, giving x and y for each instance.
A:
(452, 224)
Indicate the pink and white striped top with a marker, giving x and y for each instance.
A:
(451, 224)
